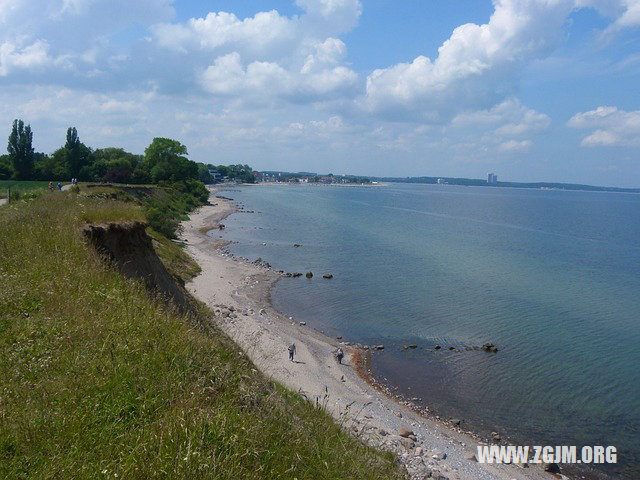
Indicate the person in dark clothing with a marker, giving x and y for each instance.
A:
(292, 351)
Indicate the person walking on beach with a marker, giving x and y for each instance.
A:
(339, 355)
(292, 351)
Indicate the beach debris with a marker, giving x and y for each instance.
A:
(489, 347)
(302, 324)
(327, 275)
(262, 311)
(437, 347)
(221, 226)
(297, 274)
(309, 274)
(377, 347)
(496, 436)
(411, 346)
(456, 421)
(452, 348)
(339, 337)
(297, 245)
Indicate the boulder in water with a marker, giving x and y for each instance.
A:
(489, 347)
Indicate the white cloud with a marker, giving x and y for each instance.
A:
(475, 67)
(14, 58)
(478, 65)
(264, 81)
(612, 127)
(515, 145)
(626, 13)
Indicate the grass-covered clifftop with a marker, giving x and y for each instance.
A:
(98, 380)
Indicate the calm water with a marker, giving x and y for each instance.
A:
(552, 278)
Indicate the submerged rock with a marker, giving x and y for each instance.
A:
(309, 274)
(489, 347)
(327, 275)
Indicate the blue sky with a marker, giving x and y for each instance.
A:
(534, 90)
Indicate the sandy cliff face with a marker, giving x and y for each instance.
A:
(129, 247)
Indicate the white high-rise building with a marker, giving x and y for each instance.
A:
(492, 178)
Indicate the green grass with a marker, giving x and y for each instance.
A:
(98, 380)
(176, 260)
(20, 187)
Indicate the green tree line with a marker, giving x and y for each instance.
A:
(164, 160)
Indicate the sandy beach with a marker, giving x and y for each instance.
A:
(238, 291)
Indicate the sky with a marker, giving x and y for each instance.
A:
(532, 90)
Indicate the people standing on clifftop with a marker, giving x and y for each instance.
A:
(292, 351)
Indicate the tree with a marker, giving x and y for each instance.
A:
(164, 159)
(20, 150)
(6, 170)
(76, 153)
(203, 174)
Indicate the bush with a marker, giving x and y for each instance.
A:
(165, 222)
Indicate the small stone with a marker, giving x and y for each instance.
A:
(405, 432)
(327, 276)
(437, 347)
(302, 324)
(309, 274)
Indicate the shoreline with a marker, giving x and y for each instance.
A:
(238, 291)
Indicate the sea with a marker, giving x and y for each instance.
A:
(550, 277)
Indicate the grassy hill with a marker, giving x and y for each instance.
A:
(20, 187)
(99, 380)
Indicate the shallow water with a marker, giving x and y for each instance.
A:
(551, 277)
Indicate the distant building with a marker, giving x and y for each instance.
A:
(492, 178)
